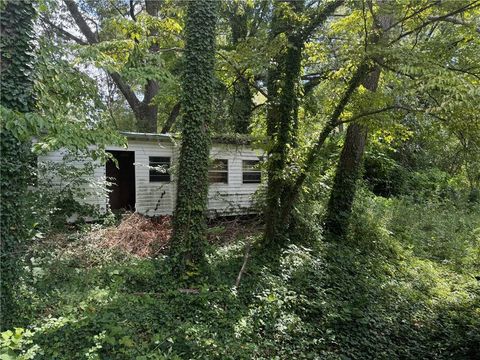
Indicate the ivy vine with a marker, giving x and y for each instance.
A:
(189, 237)
(16, 79)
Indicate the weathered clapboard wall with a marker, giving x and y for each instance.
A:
(91, 187)
(234, 197)
(158, 198)
(152, 198)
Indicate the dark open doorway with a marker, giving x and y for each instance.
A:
(122, 194)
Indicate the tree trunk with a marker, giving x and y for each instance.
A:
(341, 199)
(242, 103)
(348, 171)
(16, 34)
(344, 186)
(145, 111)
(146, 117)
(189, 224)
(282, 117)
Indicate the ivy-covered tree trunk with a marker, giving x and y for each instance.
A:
(16, 64)
(242, 103)
(282, 117)
(189, 225)
(348, 171)
(345, 183)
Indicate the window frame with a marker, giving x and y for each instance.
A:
(251, 171)
(210, 171)
(155, 173)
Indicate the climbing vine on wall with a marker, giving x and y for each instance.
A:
(16, 94)
(189, 236)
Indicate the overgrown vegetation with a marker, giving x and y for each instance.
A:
(368, 117)
(402, 286)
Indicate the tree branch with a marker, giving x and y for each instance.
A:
(453, 21)
(126, 90)
(320, 18)
(132, 11)
(72, 7)
(368, 113)
(313, 80)
(171, 118)
(92, 38)
(244, 265)
(389, 68)
(63, 33)
(331, 124)
(240, 75)
(415, 13)
(470, 6)
(378, 111)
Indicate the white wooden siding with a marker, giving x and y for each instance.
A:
(152, 198)
(158, 198)
(93, 194)
(234, 197)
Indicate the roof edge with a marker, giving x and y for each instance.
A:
(230, 139)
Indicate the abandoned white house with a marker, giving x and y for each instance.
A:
(144, 176)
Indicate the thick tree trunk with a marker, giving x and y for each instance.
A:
(344, 186)
(348, 171)
(146, 117)
(189, 225)
(145, 111)
(16, 33)
(340, 204)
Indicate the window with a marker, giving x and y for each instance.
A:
(251, 172)
(159, 167)
(218, 171)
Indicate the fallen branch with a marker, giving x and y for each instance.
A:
(244, 265)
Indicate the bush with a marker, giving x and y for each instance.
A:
(387, 292)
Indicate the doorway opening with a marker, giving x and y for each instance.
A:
(122, 190)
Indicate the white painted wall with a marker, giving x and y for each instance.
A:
(154, 198)
(234, 197)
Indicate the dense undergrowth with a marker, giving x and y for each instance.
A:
(404, 285)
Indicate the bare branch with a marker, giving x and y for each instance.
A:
(92, 38)
(415, 13)
(63, 33)
(81, 22)
(374, 112)
(244, 265)
(453, 21)
(171, 118)
(132, 11)
(470, 6)
(126, 90)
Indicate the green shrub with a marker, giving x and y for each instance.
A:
(387, 292)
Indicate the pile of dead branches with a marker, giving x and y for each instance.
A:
(139, 235)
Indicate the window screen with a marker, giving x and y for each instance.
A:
(159, 167)
(251, 172)
(218, 171)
